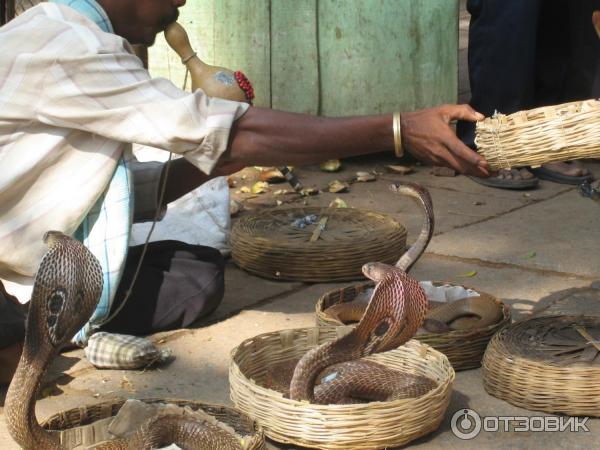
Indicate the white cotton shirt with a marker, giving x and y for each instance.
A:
(72, 101)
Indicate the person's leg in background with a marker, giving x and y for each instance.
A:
(177, 284)
(567, 60)
(12, 333)
(502, 48)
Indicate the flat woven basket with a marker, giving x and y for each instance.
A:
(63, 421)
(464, 348)
(372, 425)
(549, 364)
(269, 246)
(541, 135)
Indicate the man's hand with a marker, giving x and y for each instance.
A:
(427, 135)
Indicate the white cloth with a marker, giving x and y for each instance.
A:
(72, 100)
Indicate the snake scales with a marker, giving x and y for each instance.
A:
(392, 316)
(395, 312)
(65, 294)
(462, 314)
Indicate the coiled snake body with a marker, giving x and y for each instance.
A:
(66, 291)
(466, 313)
(395, 312)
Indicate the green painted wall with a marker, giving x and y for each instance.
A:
(331, 57)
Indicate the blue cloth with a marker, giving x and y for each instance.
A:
(106, 228)
(92, 10)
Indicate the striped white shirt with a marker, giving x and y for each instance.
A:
(73, 99)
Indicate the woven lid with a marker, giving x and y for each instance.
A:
(558, 340)
(315, 244)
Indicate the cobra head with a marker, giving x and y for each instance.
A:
(394, 309)
(67, 288)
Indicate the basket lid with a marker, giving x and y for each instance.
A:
(315, 244)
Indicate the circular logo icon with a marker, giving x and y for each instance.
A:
(465, 424)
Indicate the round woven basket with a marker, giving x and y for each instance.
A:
(63, 421)
(549, 364)
(464, 348)
(372, 425)
(269, 246)
(541, 135)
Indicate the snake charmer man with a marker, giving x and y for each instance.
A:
(74, 98)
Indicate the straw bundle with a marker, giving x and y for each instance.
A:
(541, 135)
(547, 364)
(372, 425)
(269, 245)
(63, 422)
(464, 348)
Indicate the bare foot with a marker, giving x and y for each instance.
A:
(569, 168)
(515, 174)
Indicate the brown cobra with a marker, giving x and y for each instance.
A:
(468, 313)
(395, 312)
(66, 290)
(348, 312)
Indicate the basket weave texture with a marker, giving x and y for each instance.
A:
(541, 135)
(545, 364)
(269, 246)
(464, 348)
(372, 425)
(86, 415)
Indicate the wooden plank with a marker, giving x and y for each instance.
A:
(381, 55)
(294, 56)
(242, 42)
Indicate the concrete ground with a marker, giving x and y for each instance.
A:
(533, 249)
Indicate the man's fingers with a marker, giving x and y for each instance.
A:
(464, 112)
(457, 147)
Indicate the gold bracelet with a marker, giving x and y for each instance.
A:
(397, 136)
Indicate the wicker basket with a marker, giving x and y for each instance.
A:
(541, 135)
(358, 426)
(464, 348)
(85, 415)
(521, 365)
(269, 246)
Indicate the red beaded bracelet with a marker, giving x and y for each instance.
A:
(245, 85)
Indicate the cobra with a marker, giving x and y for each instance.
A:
(66, 290)
(466, 313)
(395, 312)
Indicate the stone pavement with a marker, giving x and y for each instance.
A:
(531, 249)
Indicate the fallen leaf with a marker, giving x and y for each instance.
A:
(260, 187)
(338, 203)
(337, 186)
(469, 274)
(402, 170)
(271, 175)
(244, 190)
(309, 191)
(333, 165)
(529, 255)
(365, 176)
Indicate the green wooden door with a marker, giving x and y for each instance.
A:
(330, 57)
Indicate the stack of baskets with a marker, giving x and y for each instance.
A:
(464, 348)
(373, 425)
(541, 135)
